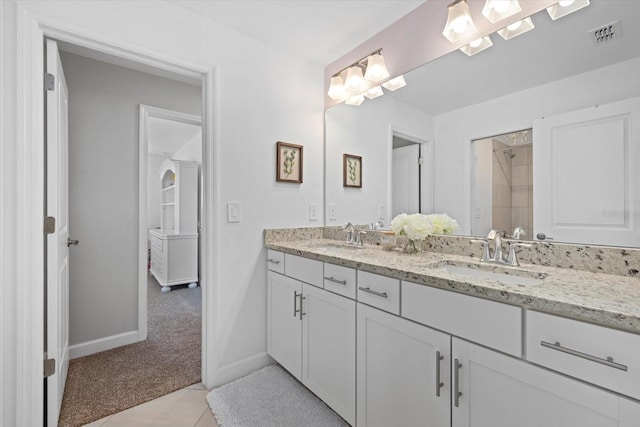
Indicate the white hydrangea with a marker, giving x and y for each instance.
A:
(443, 223)
(415, 226)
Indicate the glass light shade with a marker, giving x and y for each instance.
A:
(354, 82)
(395, 83)
(566, 7)
(336, 89)
(459, 23)
(517, 28)
(374, 92)
(376, 68)
(355, 100)
(477, 45)
(497, 10)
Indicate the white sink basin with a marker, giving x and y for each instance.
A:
(504, 275)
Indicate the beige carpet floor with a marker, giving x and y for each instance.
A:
(109, 382)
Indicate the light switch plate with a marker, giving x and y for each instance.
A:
(234, 212)
(313, 211)
(381, 212)
(332, 211)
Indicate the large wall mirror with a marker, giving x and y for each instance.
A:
(553, 110)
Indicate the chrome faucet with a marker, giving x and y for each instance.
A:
(518, 232)
(496, 236)
(354, 237)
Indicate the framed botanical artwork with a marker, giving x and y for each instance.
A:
(351, 171)
(289, 162)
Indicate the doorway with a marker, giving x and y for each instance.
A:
(406, 175)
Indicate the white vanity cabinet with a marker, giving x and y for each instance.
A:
(497, 390)
(311, 332)
(403, 372)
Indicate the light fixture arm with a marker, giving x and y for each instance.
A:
(359, 63)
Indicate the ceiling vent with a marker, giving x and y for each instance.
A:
(606, 33)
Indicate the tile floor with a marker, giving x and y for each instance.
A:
(183, 408)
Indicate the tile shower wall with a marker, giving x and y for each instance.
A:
(502, 187)
(522, 189)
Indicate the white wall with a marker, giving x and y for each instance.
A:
(253, 110)
(154, 161)
(104, 102)
(365, 131)
(454, 130)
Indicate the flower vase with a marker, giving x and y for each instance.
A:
(411, 247)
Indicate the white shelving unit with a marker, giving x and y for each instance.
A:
(174, 247)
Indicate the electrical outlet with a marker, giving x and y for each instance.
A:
(381, 214)
(234, 211)
(332, 212)
(313, 211)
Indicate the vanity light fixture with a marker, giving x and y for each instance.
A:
(459, 23)
(355, 100)
(517, 28)
(350, 83)
(565, 7)
(374, 92)
(497, 10)
(477, 45)
(336, 89)
(376, 68)
(395, 83)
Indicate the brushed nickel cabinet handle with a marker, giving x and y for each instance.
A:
(376, 293)
(301, 298)
(439, 383)
(334, 280)
(456, 382)
(608, 361)
(273, 261)
(295, 303)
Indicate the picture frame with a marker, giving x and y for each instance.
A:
(351, 171)
(289, 162)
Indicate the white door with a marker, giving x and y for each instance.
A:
(401, 381)
(57, 249)
(586, 175)
(284, 327)
(405, 191)
(501, 391)
(329, 349)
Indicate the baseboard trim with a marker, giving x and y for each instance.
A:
(242, 367)
(102, 344)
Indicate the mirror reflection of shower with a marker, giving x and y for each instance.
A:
(503, 184)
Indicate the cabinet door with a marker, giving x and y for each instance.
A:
(329, 349)
(501, 391)
(284, 328)
(398, 373)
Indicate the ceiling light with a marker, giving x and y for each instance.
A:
(376, 68)
(336, 89)
(517, 28)
(374, 92)
(459, 22)
(395, 83)
(497, 10)
(354, 82)
(566, 7)
(477, 45)
(355, 100)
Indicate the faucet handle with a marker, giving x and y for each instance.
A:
(359, 234)
(512, 258)
(485, 249)
(493, 233)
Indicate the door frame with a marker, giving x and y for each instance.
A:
(31, 31)
(146, 112)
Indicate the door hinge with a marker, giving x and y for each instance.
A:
(49, 81)
(49, 225)
(49, 367)
(420, 161)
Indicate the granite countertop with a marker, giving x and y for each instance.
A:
(605, 299)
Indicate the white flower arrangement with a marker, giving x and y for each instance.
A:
(418, 226)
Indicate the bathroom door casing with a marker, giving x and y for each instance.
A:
(57, 256)
(586, 175)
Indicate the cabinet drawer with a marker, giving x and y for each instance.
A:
(341, 280)
(488, 323)
(379, 291)
(275, 261)
(596, 354)
(304, 269)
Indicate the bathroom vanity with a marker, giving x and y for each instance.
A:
(440, 339)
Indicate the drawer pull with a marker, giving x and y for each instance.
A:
(295, 304)
(439, 384)
(608, 361)
(376, 293)
(334, 280)
(273, 261)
